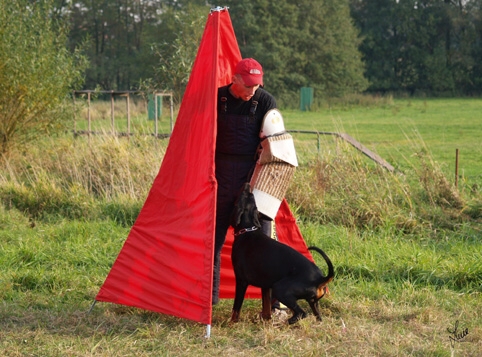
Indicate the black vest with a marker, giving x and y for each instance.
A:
(237, 135)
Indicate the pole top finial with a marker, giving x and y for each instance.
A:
(218, 8)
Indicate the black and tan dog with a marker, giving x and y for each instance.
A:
(275, 267)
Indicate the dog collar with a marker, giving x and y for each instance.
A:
(245, 230)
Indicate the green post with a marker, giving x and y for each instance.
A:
(151, 107)
(306, 98)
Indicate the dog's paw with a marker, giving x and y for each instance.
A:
(235, 317)
(296, 317)
(264, 316)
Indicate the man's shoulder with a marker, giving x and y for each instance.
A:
(266, 98)
(223, 90)
(264, 92)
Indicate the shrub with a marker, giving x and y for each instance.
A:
(37, 72)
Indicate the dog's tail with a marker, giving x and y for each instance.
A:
(331, 271)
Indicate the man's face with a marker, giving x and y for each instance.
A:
(240, 90)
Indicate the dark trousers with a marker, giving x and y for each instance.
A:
(231, 175)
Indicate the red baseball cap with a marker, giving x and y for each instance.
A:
(251, 71)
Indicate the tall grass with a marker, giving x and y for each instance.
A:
(82, 179)
(342, 187)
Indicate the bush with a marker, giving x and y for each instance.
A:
(37, 72)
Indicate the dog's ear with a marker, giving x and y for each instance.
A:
(238, 213)
(256, 221)
(240, 205)
(254, 210)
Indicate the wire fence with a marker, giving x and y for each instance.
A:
(153, 100)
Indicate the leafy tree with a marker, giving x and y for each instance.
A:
(389, 46)
(114, 33)
(37, 72)
(425, 45)
(303, 43)
(176, 55)
(474, 12)
(132, 44)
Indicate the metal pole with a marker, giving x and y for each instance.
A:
(89, 125)
(456, 168)
(92, 307)
(172, 112)
(112, 112)
(154, 96)
(128, 117)
(75, 119)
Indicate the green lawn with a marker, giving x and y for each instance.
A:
(392, 296)
(392, 130)
(442, 125)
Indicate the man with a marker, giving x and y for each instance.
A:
(242, 106)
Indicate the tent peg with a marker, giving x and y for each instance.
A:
(92, 307)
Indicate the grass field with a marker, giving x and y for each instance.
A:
(393, 128)
(407, 249)
(390, 129)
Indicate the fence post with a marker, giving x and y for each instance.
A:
(75, 119)
(112, 111)
(456, 168)
(128, 116)
(89, 125)
(155, 113)
(172, 112)
(318, 142)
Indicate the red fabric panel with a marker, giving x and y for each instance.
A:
(287, 232)
(166, 262)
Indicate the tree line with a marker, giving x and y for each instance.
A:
(430, 46)
(335, 46)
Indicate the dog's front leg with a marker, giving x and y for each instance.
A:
(266, 300)
(241, 288)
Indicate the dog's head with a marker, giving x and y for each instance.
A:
(245, 211)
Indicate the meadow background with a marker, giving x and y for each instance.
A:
(406, 246)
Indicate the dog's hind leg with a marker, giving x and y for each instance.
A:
(241, 288)
(291, 302)
(298, 313)
(315, 308)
